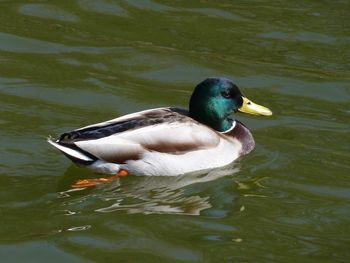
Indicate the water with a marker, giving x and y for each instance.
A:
(67, 64)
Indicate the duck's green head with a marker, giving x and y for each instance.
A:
(214, 100)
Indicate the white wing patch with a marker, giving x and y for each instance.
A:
(70, 151)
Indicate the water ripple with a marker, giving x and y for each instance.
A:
(47, 11)
(18, 44)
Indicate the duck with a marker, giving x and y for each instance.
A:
(167, 141)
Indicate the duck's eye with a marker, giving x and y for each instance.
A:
(226, 94)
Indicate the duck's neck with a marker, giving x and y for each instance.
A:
(225, 125)
(212, 120)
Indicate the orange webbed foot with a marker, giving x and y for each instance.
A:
(95, 181)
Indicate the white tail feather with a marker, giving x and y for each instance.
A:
(69, 151)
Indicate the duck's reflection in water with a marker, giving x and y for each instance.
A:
(156, 194)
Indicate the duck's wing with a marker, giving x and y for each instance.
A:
(167, 130)
(125, 123)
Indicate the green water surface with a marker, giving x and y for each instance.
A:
(67, 64)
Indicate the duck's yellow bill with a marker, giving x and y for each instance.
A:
(250, 107)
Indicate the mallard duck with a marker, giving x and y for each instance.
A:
(167, 141)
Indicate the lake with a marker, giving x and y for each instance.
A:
(67, 64)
